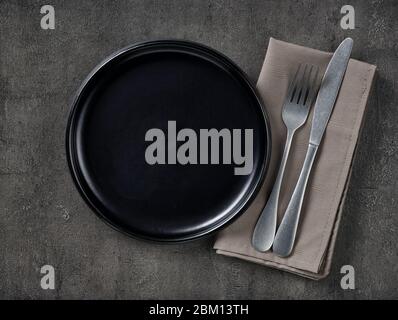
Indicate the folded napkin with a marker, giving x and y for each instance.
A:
(327, 185)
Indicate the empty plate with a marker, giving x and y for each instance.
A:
(167, 141)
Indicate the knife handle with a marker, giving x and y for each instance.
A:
(285, 236)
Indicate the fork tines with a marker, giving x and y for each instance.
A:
(305, 85)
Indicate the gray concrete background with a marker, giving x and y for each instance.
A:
(43, 220)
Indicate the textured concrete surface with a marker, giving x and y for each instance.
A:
(43, 220)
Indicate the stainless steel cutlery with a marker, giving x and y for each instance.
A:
(295, 110)
(264, 233)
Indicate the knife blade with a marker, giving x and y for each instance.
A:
(329, 89)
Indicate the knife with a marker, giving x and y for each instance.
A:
(329, 89)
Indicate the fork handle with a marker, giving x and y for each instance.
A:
(284, 239)
(264, 232)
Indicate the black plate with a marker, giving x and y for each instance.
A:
(143, 87)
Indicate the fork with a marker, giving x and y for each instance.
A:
(295, 110)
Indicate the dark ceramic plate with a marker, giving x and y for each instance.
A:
(155, 85)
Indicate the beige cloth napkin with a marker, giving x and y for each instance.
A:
(326, 189)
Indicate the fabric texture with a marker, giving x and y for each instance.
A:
(327, 185)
